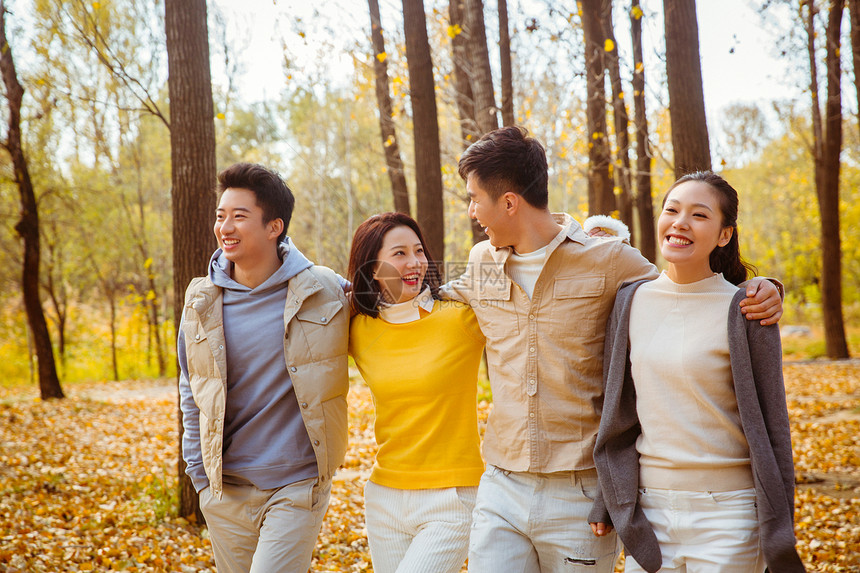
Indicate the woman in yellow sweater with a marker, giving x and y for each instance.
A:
(420, 357)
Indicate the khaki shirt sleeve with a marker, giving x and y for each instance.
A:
(631, 266)
(462, 289)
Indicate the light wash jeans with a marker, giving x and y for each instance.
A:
(418, 530)
(703, 532)
(530, 522)
(265, 531)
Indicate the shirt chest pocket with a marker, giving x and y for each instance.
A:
(498, 315)
(578, 303)
(318, 324)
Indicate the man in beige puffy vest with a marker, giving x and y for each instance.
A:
(263, 383)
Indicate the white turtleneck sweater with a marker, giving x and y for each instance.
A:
(679, 351)
(407, 311)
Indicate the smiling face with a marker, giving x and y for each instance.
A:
(401, 265)
(246, 240)
(489, 213)
(690, 227)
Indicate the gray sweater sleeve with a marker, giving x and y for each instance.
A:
(190, 421)
(756, 355)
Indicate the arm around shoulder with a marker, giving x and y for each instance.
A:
(462, 289)
(631, 266)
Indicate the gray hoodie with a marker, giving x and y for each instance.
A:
(265, 440)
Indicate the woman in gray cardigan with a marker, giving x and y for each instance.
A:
(694, 452)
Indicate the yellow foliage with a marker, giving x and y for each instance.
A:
(608, 45)
(381, 56)
(636, 12)
(454, 31)
(84, 483)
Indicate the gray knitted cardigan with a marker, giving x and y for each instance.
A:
(756, 362)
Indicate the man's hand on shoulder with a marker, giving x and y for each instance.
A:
(603, 226)
(763, 301)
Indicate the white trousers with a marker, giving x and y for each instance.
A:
(265, 531)
(418, 530)
(703, 532)
(530, 522)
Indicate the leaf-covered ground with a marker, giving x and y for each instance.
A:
(86, 484)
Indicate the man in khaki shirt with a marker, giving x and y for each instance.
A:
(542, 291)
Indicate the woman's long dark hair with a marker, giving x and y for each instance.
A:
(366, 244)
(727, 259)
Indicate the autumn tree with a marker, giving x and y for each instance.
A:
(102, 65)
(507, 76)
(601, 198)
(686, 95)
(28, 225)
(192, 158)
(461, 62)
(827, 146)
(647, 242)
(486, 111)
(624, 194)
(422, 92)
(854, 14)
(386, 120)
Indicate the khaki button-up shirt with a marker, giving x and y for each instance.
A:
(545, 355)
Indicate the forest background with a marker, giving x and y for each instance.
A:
(95, 128)
(106, 205)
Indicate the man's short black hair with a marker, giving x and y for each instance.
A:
(271, 192)
(508, 159)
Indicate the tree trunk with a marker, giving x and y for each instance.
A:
(647, 242)
(462, 73)
(486, 112)
(153, 300)
(463, 87)
(155, 323)
(193, 167)
(624, 199)
(60, 304)
(686, 96)
(28, 226)
(507, 73)
(828, 193)
(817, 128)
(428, 163)
(854, 12)
(54, 287)
(601, 199)
(386, 121)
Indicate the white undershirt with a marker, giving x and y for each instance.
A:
(524, 269)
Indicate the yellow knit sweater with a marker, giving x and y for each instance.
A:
(423, 377)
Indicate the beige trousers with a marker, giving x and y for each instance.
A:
(265, 531)
(418, 530)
